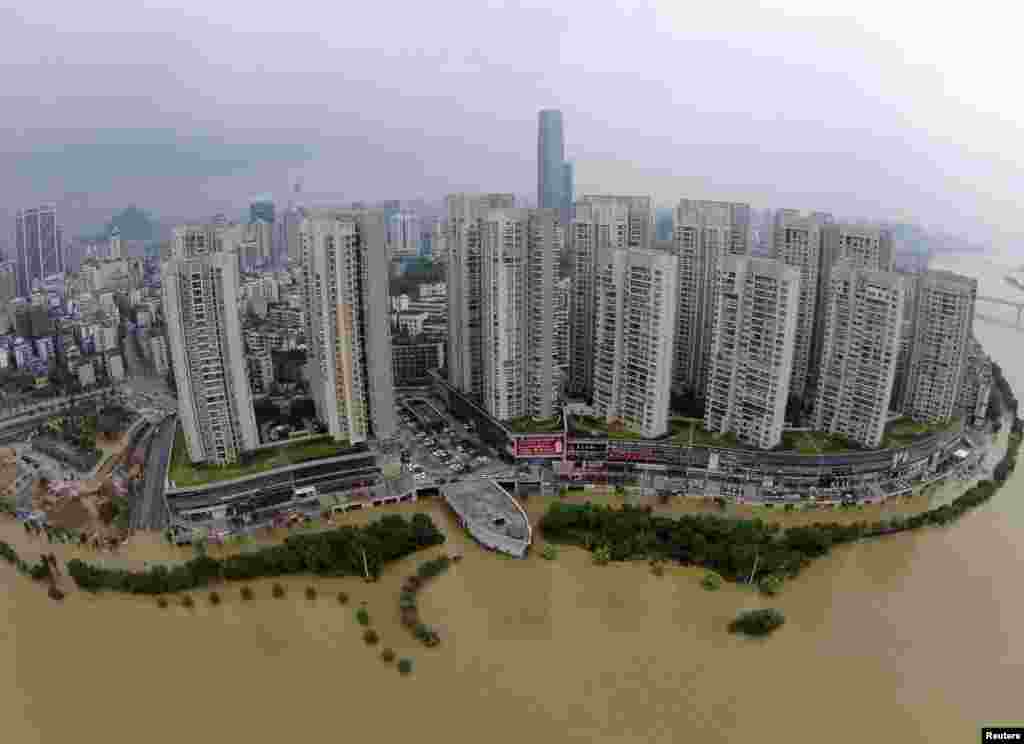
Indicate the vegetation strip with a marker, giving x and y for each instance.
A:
(737, 549)
(407, 599)
(347, 551)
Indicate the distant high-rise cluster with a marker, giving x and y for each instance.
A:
(760, 320)
(752, 320)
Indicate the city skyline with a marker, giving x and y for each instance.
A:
(199, 135)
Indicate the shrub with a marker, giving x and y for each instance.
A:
(214, 598)
(757, 622)
(346, 551)
(770, 585)
(310, 592)
(55, 593)
(711, 581)
(342, 598)
(362, 616)
(426, 635)
(246, 593)
(277, 591)
(161, 602)
(370, 636)
(602, 555)
(657, 568)
(404, 666)
(187, 602)
(387, 656)
(549, 553)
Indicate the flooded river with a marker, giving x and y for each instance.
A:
(917, 637)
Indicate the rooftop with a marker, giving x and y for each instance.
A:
(486, 504)
(184, 473)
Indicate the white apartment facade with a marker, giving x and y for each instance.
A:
(345, 286)
(755, 324)
(702, 232)
(860, 245)
(599, 222)
(863, 323)
(462, 242)
(205, 339)
(635, 307)
(519, 265)
(796, 241)
(943, 318)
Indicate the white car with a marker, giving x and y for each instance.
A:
(420, 476)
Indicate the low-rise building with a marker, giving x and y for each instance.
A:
(410, 323)
(413, 357)
(158, 347)
(976, 385)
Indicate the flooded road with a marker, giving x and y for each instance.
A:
(916, 637)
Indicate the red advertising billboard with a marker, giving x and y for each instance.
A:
(540, 446)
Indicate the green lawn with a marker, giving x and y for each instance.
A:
(599, 427)
(591, 423)
(691, 432)
(904, 431)
(530, 425)
(185, 474)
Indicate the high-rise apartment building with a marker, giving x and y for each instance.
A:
(193, 241)
(860, 245)
(943, 318)
(755, 320)
(345, 289)
(863, 323)
(462, 242)
(37, 244)
(205, 338)
(562, 328)
(517, 276)
(702, 232)
(796, 241)
(976, 384)
(550, 160)
(599, 222)
(403, 235)
(910, 280)
(635, 296)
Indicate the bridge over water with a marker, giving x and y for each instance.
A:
(1018, 306)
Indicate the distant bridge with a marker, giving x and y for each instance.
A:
(1018, 306)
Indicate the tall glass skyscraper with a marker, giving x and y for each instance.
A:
(550, 160)
(38, 249)
(568, 192)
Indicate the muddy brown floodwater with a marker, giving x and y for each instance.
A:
(916, 637)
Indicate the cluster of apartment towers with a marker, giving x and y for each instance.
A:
(824, 327)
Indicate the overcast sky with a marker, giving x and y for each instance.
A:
(890, 110)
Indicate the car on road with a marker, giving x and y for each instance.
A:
(420, 476)
(429, 442)
(421, 435)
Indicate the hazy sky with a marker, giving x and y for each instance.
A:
(903, 110)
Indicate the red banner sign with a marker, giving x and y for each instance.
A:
(540, 446)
